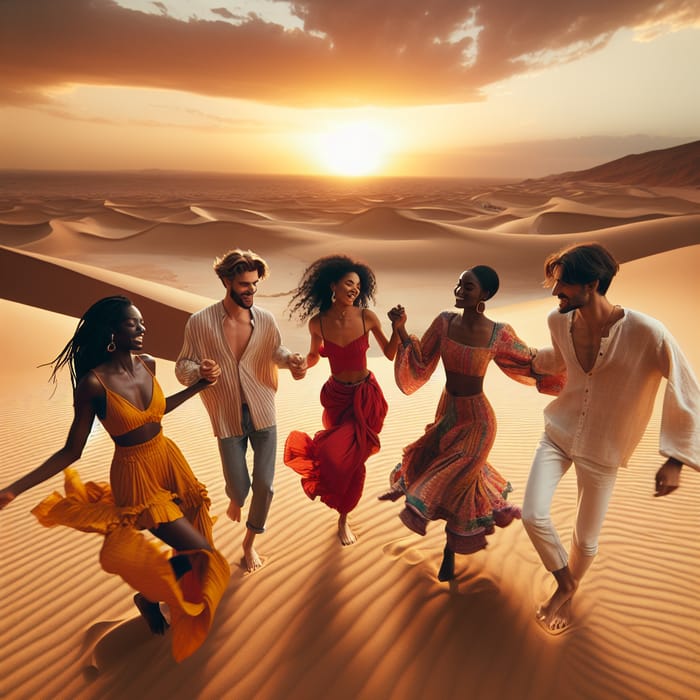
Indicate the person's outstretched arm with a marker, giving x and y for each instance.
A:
(84, 415)
(210, 371)
(389, 346)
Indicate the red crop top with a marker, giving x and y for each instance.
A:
(346, 358)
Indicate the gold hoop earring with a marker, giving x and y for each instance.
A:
(112, 346)
(480, 307)
(333, 296)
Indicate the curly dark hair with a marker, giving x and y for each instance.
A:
(314, 291)
(88, 347)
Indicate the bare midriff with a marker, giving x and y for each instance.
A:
(351, 376)
(137, 436)
(463, 384)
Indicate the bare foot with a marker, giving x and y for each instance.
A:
(251, 559)
(554, 616)
(447, 568)
(234, 512)
(345, 534)
(390, 496)
(151, 613)
(559, 622)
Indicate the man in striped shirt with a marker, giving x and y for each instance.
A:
(237, 345)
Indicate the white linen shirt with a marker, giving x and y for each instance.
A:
(601, 415)
(254, 376)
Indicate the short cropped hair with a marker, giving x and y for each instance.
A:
(237, 261)
(582, 263)
(488, 279)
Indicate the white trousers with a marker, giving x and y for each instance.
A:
(595, 486)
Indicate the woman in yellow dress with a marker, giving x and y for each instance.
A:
(151, 485)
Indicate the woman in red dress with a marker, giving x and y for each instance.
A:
(334, 292)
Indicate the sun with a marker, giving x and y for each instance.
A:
(353, 149)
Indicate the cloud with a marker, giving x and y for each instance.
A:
(223, 12)
(192, 120)
(349, 53)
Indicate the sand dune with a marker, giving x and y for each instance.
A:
(678, 166)
(21, 234)
(23, 216)
(109, 224)
(369, 621)
(390, 223)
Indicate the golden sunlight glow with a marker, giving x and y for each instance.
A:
(353, 148)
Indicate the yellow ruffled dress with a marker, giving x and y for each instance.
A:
(150, 484)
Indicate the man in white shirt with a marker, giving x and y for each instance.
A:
(245, 342)
(615, 359)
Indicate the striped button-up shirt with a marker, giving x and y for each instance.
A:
(252, 379)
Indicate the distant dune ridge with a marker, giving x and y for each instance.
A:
(678, 166)
(370, 621)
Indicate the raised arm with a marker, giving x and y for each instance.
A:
(86, 394)
(389, 346)
(416, 360)
(175, 400)
(397, 316)
(518, 361)
(209, 377)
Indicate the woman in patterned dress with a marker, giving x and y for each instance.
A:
(445, 475)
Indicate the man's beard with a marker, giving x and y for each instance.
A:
(238, 299)
(573, 303)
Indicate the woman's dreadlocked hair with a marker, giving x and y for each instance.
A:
(88, 347)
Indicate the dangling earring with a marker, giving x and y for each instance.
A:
(480, 307)
(333, 296)
(112, 346)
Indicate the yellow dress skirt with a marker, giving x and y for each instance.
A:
(150, 484)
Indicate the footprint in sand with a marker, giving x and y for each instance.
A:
(107, 642)
(404, 549)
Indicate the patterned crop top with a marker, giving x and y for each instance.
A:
(121, 416)
(346, 358)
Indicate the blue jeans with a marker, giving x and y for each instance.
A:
(238, 482)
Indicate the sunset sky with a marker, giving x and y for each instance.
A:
(500, 88)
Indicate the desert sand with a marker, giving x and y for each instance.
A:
(369, 621)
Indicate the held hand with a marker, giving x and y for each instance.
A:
(5, 498)
(668, 478)
(209, 370)
(297, 365)
(397, 316)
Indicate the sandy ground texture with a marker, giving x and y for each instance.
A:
(368, 621)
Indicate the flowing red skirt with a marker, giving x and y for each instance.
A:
(332, 464)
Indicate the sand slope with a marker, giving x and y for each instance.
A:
(369, 621)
